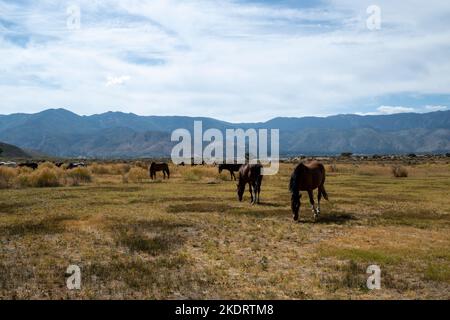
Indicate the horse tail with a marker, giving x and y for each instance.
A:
(323, 192)
(168, 172)
(322, 185)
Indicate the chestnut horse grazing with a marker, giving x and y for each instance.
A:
(251, 174)
(307, 177)
(155, 167)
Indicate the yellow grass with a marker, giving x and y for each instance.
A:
(189, 237)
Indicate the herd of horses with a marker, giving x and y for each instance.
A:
(35, 165)
(307, 176)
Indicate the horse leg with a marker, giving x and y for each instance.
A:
(311, 200)
(255, 191)
(319, 197)
(251, 193)
(258, 184)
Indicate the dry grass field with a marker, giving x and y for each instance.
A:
(189, 237)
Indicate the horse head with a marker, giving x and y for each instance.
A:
(295, 205)
(240, 190)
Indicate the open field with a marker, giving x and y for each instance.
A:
(189, 237)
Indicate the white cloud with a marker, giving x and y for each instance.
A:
(114, 81)
(394, 109)
(383, 110)
(436, 108)
(231, 60)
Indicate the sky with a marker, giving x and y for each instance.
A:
(241, 60)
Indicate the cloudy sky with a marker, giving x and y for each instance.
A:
(233, 60)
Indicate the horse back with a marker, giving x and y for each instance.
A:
(310, 175)
(250, 172)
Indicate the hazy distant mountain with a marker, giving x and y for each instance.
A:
(60, 132)
(10, 151)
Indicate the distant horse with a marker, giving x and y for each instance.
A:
(32, 165)
(9, 164)
(307, 177)
(74, 165)
(230, 167)
(155, 167)
(251, 174)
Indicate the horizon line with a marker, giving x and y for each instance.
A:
(206, 117)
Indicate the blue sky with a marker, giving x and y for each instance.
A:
(242, 60)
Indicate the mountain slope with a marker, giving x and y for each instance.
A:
(10, 151)
(60, 132)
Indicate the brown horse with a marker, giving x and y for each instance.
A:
(155, 167)
(307, 177)
(251, 174)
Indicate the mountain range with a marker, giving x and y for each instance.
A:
(59, 132)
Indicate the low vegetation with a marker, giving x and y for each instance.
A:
(189, 236)
(399, 172)
(46, 176)
(136, 175)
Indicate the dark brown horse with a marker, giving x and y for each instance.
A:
(32, 165)
(155, 167)
(230, 167)
(251, 174)
(307, 177)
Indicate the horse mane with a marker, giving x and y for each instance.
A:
(293, 183)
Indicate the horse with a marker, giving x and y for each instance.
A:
(251, 174)
(32, 165)
(74, 165)
(307, 177)
(9, 164)
(155, 167)
(230, 167)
